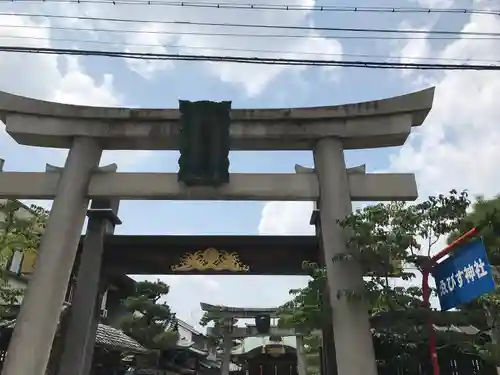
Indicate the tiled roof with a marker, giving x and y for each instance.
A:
(115, 339)
(106, 337)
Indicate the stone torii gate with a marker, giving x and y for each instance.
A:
(87, 131)
(229, 332)
(228, 315)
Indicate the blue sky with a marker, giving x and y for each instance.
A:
(455, 148)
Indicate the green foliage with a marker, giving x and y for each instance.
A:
(150, 321)
(485, 215)
(304, 310)
(20, 230)
(390, 242)
(313, 360)
(387, 239)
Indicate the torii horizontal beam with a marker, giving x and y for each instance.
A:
(219, 311)
(379, 123)
(251, 331)
(243, 186)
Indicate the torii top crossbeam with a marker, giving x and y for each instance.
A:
(217, 311)
(379, 123)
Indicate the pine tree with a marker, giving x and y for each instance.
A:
(150, 322)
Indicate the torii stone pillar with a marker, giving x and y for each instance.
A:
(301, 355)
(79, 337)
(328, 353)
(352, 335)
(36, 324)
(227, 346)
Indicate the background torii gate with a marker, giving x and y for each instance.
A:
(229, 331)
(87, 131)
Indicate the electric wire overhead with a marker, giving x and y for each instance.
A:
(246, 35)
(472, 64)
(251, 60)
(257, 26)
(247, 50)
(271, 6)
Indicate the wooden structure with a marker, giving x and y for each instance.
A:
(246, 255)
(269, 359)
(393, 360)
(411, 357)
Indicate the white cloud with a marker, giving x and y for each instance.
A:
(442, 4)
(56, 79)
(286, 218)
(149, 42)
(457, 147)
(185, 38)
(51, 78)
(414, 49)
(254, 78)
(77, 87)
(41, 76)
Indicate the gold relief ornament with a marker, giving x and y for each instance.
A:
(210, 259)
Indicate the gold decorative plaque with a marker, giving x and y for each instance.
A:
(210, 259)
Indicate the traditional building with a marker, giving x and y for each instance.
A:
(267, 355)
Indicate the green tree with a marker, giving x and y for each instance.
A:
(150, 322)
(390, 241)
(20, 230)
(485, 215)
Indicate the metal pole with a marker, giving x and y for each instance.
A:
(2, 163)
(426, 294)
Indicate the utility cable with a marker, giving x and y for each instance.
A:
(271, 6)
(251, 60)
(245, 35)
(255, 26)
(264, 51)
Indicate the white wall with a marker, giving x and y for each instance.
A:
(185, 334)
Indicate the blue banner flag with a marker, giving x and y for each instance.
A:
(463, 276)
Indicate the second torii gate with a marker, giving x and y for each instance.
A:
(229, 332)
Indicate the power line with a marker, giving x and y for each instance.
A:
(282, 7)
(250, 60)
(255, 26)
(245, 35)
(265, 51)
